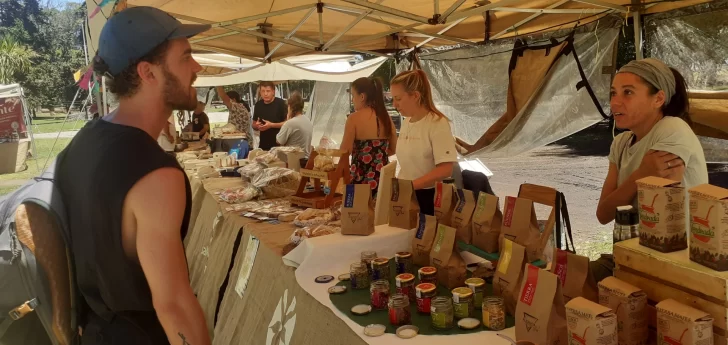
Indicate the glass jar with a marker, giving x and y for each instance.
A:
(379, 294)
(425, 292)
(463, 304)
(494, 313)
(441, 313)
(399, 311)
(626, 224)
(366, 258)
(427, 275)
(403, 262)
(380, 269)
(477, 285)
(406, 285)
(359, 276)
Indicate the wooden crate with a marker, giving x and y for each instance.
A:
(673, 275)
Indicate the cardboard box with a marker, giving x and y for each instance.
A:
(678, 324)
(662, 214)
(629, 303)
(590, 323)
(709, 226)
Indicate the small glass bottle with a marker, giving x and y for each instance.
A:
(379, 294)
(425, 292)
(428, 274)
(477, 285)
(463, 304)
(404, 262)
(366, 258)
(406, 285)
(359, 276)
(494, 313)
(380, 269)
(441, 313)
(626, 223)
(399, 310)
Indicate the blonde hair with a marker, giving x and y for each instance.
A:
(416, 80)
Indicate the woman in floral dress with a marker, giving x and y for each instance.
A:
(370, 134)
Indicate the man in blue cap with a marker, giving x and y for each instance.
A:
(129, 202)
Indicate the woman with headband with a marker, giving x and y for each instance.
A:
(650, 100)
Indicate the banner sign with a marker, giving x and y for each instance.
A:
(11, 118)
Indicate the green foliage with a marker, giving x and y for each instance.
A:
(14, 59)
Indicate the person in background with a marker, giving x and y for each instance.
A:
(426, 148)
(168, 136)
(130, 202)
(200, 121)
(298, 129)
(369, 133)
(269, 115)
(239, 115)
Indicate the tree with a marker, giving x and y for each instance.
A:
(14, 59)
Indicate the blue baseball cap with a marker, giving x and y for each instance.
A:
(134, 32)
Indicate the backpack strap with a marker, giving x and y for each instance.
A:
(17, 313)
(562, 212)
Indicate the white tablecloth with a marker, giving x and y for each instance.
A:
(332, 255)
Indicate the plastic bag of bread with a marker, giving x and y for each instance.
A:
(324, 161)
(312, 217)
(277, 177)
(239, 195)
(267, 158)
(251, 171)
(286, 149)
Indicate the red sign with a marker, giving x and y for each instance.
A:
(11, 117)
(529, 289)
(510, 206)
(561, 262)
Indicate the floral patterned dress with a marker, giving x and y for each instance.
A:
(368, 158)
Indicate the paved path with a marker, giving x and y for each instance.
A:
(64, 135)
(12, 183)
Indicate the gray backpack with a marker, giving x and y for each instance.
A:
(37, 285)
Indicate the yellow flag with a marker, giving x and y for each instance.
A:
(77, 76)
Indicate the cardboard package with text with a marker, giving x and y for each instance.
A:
(486, 224)
(590, 323)
(576, 278)
(629, 303)
(540, 312)
(709, 226)
(684, 325)
(520, 226)
(443, 256)
(423, 239)
(403, 209)
(508, 273)
(662, 214)
(462, 215)
(444, 202)
(357, 214)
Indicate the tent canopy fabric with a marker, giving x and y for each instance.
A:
(10, 90)
(296, 27)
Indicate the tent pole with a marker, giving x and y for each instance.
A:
(637, 17)
(103, 96)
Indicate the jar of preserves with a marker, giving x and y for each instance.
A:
(359, 276)
(366, 258)
(424, 293)
(427, 275)
(477, 285)
(494, 313)
(403, 262)
(380, 269)
(463, 304)
(379, 294)
(406, 285)
(399, 311)
(441, 313)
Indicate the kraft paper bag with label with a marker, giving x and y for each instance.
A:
(575, 276)
(540, 312)
(404, 209)
(520, 226)
(486, 224)
(444, 202)
(357, 214)
(590, 323)
(462, 215)
(629, 303)
(709, 226)
(443, 256)
(681, 324)
(662, 214)
(423, 239)
(507, 277)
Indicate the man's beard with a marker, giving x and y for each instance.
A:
(176, 95)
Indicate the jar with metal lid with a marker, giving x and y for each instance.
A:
(403, 262)
(477, 285)
(366, 258)
(406, 285)
(399, 310)
(626, 223)
(425, 292)
(494, 313)
(463, 303)
(379, 294)
(380, 269)
(359, 276)
(441, 313)
(428, 275)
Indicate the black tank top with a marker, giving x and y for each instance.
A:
(95, 173)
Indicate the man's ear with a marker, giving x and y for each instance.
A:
(147, 72)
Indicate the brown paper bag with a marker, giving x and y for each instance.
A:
(450, 266)
(486, 224)
(520, 226)
(709, 226)
(404, 209)
(357, 214)
(444, 202)
(462, 215)
(590, 323)
(423, 239)
(540, 313)
(629, 303)
(680, 324)
(575, 276)
(507, 278)
(662, 214)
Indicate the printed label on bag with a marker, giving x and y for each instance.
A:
(438, 194)
(505, 259)
(440, 238)
(529, 289)
(395, 189)
(560, 269)
(421, 227)
(461, 201)
(510, 207)
(480, 208)
(349, 199)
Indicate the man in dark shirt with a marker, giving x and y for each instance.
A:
(200, 121)
(269, 115)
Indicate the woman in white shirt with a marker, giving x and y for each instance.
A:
(426, 147)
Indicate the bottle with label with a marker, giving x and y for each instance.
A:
(626, 223)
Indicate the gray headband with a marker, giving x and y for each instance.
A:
(654, 72)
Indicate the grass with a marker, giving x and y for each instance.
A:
(55, 124)
(7, 190)
(35, 163)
